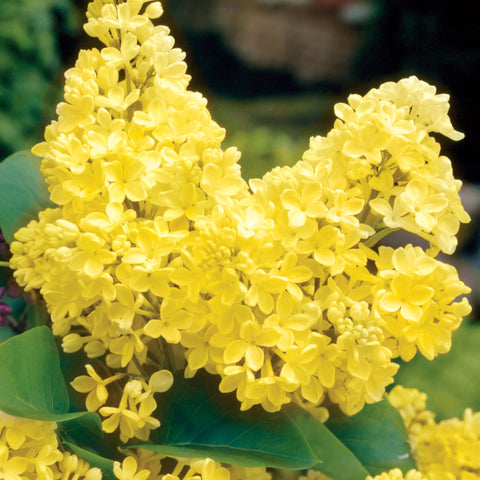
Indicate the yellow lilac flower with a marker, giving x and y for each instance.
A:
(127, 470)
(102, 157)
(412, 405)
(142, 464)
(30, 449)
(248, 346)
(396, 474)
(172, 320)
(147, 460)
(423, 193)
(161, 381)
(209, 470)
(13, 467)
(417, 301)
(95, 386)
(450, 448)
(27, 447)
(444, 450)
(133, 416)
(160, 257)
(429, 110)
(73, 465)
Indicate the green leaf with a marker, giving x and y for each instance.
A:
(23, 192)
(377, 436)
(32, 384)
(85, 432)
(198, 421)
(88, 423)
(95, 460)
(450, 380)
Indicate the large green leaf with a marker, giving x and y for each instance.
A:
(23, 192)
(451, 381)
(198, 421)
(377, 436)
(85, 432)
(32, 384)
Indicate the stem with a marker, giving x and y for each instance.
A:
(178, 468)
(370, 242)
(168, 355)
(129, 77)
(4, 264)
(189, 474)
(139, 367)
(157, 352)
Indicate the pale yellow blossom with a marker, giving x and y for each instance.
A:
(159, 256)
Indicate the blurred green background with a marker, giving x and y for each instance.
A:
(31, 64)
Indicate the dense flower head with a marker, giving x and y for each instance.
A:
(442, 450)
(160, 257)
(143, 464)
(29, 450)
(396, 474)
(382, 144)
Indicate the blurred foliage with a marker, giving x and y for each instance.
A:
(451, 380)
(263, 148)
(34, 41)
(273, 130)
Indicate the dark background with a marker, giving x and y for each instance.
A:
(435, 40)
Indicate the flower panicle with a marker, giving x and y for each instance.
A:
(160, 257)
